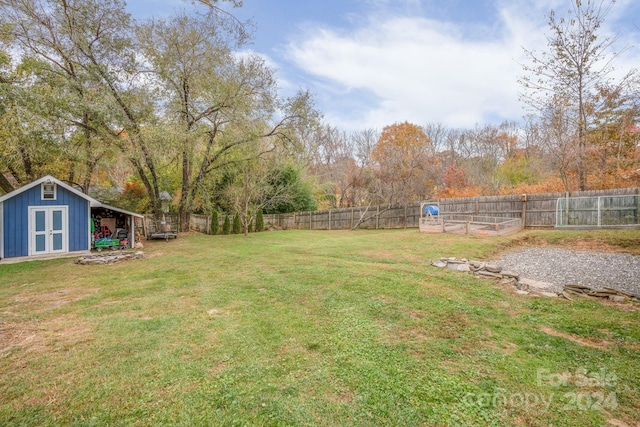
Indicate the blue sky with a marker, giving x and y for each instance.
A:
(371, 63)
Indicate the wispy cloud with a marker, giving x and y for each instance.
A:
(419, 69)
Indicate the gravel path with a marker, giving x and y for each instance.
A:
(565, 266)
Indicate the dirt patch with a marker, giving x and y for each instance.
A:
(416, 315)
(600, 345)
(34, 301)
(388, 256)
(344, 397)
(619, 423)
(217, 369)
(451, 327)
(55, 334)
(43, 330)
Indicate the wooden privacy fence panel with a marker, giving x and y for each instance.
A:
(536, 210)
(200, 223)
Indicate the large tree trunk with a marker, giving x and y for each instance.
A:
(183, 206)
(5, 184)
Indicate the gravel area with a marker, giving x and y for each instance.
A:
(565, 266)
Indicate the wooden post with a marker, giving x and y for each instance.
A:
(207, 227)
(377, 216)
(351, 217)
(144, 226)
(524, 210)
(405, 216)
(310, 218)
(329, 219)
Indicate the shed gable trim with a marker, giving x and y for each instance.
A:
(39, 182)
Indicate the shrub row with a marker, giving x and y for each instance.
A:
(234, 226)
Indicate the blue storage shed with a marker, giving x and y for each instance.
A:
(48, 217)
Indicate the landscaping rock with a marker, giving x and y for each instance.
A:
(493, 268)
(463, 268)
(484, 273)
(549, 294)
(527, 286)
(109, 258)
(508, 281)
(507, 273)
(566, 295)
(536, 284)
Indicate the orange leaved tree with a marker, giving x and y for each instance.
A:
(404, 164)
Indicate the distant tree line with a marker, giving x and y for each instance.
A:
(175, 106)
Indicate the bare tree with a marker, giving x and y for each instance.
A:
(577, 60)
(560, 141)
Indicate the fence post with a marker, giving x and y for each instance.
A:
(405, 216)
(352, 217)
(377, 216)
(329, 219)
(524, 210)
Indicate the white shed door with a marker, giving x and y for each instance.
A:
(48, 230)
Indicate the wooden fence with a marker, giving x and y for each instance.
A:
(537, 210)
(201, 223)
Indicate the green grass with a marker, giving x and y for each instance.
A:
(309, 328)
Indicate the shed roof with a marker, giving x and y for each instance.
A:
(48, 178)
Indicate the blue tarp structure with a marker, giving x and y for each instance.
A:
(431, 209)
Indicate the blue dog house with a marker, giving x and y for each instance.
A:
(48, 217)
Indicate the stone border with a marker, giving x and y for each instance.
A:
(109, 258)
(524, 286)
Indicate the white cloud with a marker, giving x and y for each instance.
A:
(416, 69)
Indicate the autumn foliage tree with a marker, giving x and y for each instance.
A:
(455, 183)
(614, 139)
(403, 162)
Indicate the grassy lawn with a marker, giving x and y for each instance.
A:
(311, 328)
